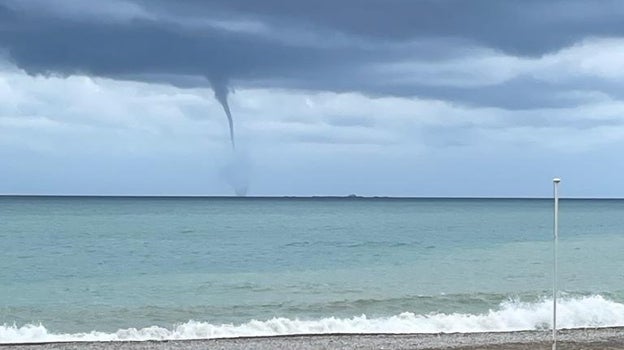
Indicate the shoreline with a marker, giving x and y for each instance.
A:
(608, 338)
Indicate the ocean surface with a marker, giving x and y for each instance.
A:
(88, 268)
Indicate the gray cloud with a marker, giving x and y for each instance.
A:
(320, 45)
(523, 27)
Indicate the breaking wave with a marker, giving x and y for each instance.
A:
(588, 311)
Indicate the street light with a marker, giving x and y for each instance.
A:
(556, 182)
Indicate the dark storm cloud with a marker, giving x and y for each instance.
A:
(138, 47)
(317, 45)
(524, 27)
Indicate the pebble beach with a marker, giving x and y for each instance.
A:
(573, 339)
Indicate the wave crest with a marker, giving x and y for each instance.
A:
(589, 311)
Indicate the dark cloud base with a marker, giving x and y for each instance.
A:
(167, 46)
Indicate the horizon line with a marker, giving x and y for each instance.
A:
(350, 196)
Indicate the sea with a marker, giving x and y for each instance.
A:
(139, 268)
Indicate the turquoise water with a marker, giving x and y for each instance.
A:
(78, 264)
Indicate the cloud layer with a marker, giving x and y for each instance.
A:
(369, 94)
(441, 49)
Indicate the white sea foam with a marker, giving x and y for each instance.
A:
(590, 311)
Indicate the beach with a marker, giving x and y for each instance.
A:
(572, 339)
(232, 174)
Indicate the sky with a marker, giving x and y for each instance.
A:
(369, 97)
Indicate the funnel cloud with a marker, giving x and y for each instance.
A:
(237, 171)
(221, 91)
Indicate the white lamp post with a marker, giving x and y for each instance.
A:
(555, 241)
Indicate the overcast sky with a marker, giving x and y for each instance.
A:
(372, 97)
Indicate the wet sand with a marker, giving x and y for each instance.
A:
(576, 339)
